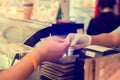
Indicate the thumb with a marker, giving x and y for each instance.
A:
(70, 37)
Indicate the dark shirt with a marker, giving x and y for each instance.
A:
(104, 23)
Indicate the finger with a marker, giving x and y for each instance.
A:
(70, 37)
(74, 41)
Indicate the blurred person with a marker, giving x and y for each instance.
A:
(106, 21)
(49, 49)
(111, 39)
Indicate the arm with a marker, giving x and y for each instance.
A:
(50, 49)
(20, 71)
(106, 39)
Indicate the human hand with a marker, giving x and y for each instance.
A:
(78, 41)
(51, 48)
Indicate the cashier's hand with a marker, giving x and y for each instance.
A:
(78, 40)
(52, 48)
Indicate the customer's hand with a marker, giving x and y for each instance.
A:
(78, 40)
(52, 48)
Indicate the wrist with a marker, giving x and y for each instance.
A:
(89, 40)
(33, 60)
(39, 53)
(36, 56)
